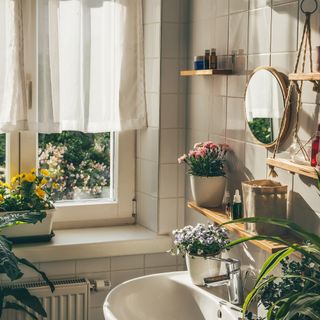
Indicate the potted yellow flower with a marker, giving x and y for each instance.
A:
(28, 192)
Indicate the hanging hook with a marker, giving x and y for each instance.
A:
(309, 12)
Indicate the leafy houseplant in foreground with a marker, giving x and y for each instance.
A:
(18, 298)
(298, 289)
(205, 164)
(198, 244)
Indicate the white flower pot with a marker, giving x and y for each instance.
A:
(208, 191)
(200, 268)
(26, 230)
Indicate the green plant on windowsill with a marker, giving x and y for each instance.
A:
(301, 300)
(18, 298)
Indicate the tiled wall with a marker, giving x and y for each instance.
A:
(263, 32)
(160, 182)
(116, 269)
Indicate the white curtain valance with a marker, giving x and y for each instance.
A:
(13, 102)
(90, 66)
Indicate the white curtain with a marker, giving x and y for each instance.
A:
(13, 102)
(91, 65)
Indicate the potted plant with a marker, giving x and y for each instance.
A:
(207, 174)
(294, 295)
(28, 192)
(199, 244)
(18, 298)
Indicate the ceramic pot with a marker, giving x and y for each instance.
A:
(27, 230)
(208, 191)
(200, 267)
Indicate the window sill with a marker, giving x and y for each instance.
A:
(73, 244)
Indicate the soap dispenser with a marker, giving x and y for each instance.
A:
(236, 211)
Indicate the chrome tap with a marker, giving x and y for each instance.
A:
(232, 279)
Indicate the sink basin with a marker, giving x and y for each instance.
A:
(168, 296)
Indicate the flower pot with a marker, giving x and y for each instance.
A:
(200, 267)
(27, 230)
(208, 191)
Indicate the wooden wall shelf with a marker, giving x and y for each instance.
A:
(314, 76)
(217, 216)
(286, 164)
(207, 72)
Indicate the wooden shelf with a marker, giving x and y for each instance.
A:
(207, 72)
(286, 164)
(217, 216)
(314, 76)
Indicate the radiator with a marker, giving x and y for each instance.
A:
(69, 301)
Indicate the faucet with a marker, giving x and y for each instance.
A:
(232, 279)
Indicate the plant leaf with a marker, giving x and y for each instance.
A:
(287, 224)
(8, 261)
(43, 275)
(300, 303)
(18, 307)
(23, 295)
(18, 217)
(272, 262)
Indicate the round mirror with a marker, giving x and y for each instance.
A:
(265, 102)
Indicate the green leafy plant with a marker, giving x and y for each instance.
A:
(18, 298)
(206, 159)
(294, 304)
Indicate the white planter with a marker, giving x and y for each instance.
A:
(208, 191)
(200, 268)
(27, 230)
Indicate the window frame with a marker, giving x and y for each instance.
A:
(22, 155)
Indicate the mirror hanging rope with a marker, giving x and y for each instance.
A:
(298, 145)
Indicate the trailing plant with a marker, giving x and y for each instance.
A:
(206, 159)
(301, 299)
(18, 298)
(199, 240)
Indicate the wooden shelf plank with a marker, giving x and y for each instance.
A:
(207, 72)
(314, 76)
(286, 164)
(217, 216)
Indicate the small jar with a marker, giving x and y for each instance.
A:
(198, 63)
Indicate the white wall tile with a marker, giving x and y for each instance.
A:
(127, 262)
(238, 5)
(92, 265)
(118, 277)
(160, 260)
(236, 124)
(238, 35)
(170, 35)
(170, 76)
(168, 215)
(152, 40)
(170, 10)
(168, 180)
(169, 145)
(151, 11)
(60, 269)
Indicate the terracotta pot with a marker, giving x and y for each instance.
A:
(199, 268)
(208, 191)
(27, 230)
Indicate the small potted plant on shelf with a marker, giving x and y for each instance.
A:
(28, 192)
(199, 245)
(207, 173)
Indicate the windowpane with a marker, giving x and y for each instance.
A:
(79, 164)
(3, 157)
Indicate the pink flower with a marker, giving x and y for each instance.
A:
(207, 144)
(192, 153)
(182, 158)
(197, 145)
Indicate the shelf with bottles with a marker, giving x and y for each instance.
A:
(218, 216)
(292, 167)
(205, 72)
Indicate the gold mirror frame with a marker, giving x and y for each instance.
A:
(286, 114)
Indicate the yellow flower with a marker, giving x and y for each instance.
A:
(7, 185)
(43, 182)
(45, 172)
(29, 177)
(55, 185)
(33, 171)
(1, 183)
(14, 179)
(1, 198)
(39, 192)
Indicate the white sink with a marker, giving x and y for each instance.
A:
(168, 296)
